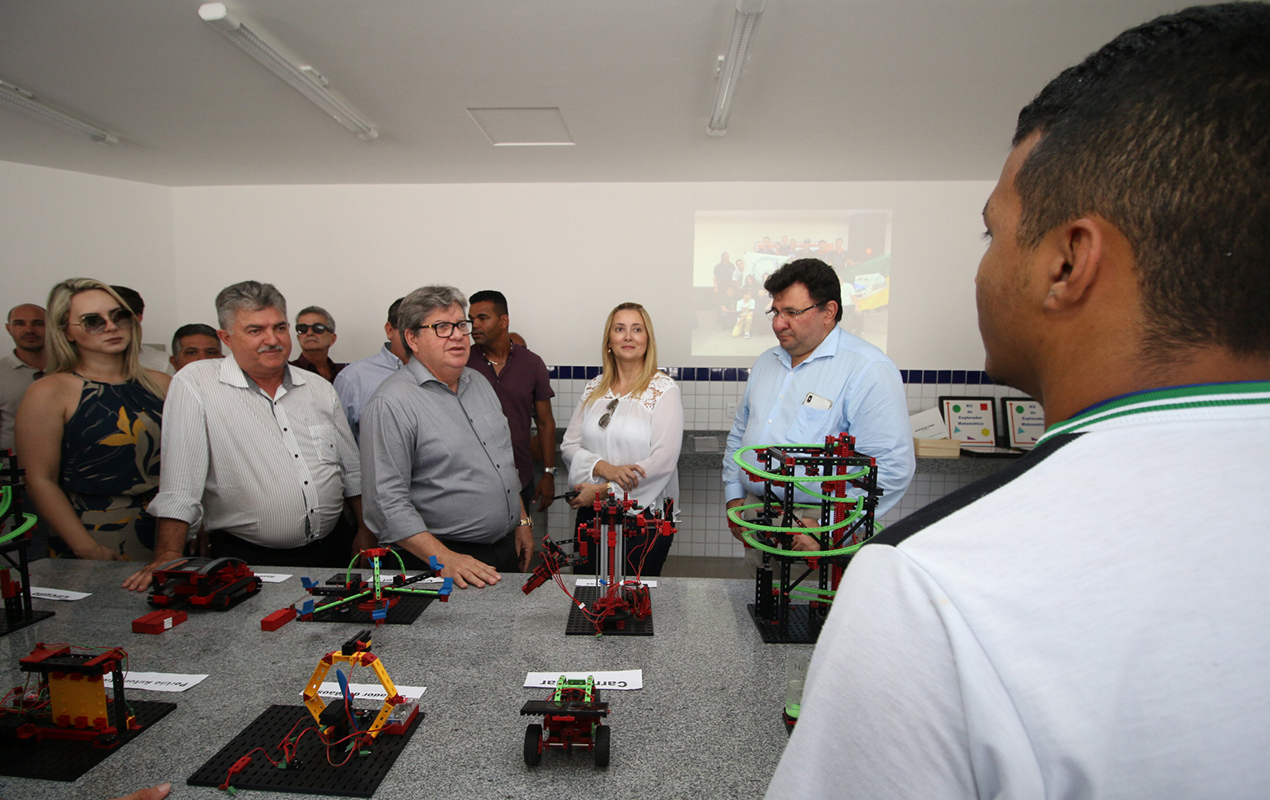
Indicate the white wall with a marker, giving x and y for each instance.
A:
(563, 253)
(60, 225)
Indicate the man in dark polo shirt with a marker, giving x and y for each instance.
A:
(520, 380)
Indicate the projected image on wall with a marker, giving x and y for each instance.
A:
(735, 251)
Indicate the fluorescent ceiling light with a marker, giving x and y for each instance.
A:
(522, 127)
(733, 63)
(306, 80)
(20, 98)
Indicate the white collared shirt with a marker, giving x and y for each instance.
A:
(15, 376)
(272, 471)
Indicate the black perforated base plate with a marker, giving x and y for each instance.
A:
(20, 621)
(579, 625)
(407, 610)
(798, 630)
(360, 777)
(60, 760)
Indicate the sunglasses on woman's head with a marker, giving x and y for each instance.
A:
(608, 413)
(96, 323)
(318, 328)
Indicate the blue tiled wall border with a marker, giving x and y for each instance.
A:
(971, 377)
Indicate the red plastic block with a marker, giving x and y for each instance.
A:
(277, 619)
(158, 621)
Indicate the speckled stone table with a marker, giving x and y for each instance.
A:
(706, 724)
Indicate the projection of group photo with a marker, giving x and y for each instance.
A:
(735, 251)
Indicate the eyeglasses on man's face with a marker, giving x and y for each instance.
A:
(608, 413)
(317, 327)
(446, 329)
(96, 323)
(790, 313)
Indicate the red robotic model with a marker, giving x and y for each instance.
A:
(617, 604)
(571, 718)
(219, 584)
(71, 701)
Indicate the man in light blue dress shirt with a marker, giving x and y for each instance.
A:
(820, 381)
(358, 381)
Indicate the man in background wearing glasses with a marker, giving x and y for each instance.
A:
(820, 381)
(438, 471)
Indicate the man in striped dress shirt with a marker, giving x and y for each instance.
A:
(260, 452)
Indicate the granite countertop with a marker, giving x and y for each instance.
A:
(706, 724)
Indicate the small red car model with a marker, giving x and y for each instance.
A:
(572, 718)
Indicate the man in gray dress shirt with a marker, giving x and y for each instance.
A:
(438, 473)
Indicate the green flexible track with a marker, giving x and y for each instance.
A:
(348, 573)
(734, 513)
(28, 520)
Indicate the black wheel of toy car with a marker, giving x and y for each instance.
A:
(533, 744)
(602, 746)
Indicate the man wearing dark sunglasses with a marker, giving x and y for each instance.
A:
(315, 330)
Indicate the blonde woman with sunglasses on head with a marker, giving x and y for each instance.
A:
(627, 430)
(88, 431)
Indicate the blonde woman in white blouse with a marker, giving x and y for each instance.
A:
(627, 430)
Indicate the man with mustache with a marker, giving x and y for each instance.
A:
(258, 450)
(19, 368)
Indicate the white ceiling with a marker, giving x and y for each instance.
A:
(850, 90)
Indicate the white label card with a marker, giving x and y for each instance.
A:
(161, 681)
(57, 594)
(622, 680)
(272, 577)
(928, 424)
(369, 691)
(591, 582)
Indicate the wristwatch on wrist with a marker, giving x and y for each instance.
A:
(550, 471)
(527, 521)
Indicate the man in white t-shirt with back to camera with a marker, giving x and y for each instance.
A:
(1091, 621)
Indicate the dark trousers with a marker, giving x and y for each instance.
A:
(500, 555)
(333, 550)
(635, 547)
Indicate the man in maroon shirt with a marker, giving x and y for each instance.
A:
(520, 380)
(315, 331)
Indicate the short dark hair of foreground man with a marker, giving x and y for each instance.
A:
(439, 474)
(1090, 621)
(257, 450)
